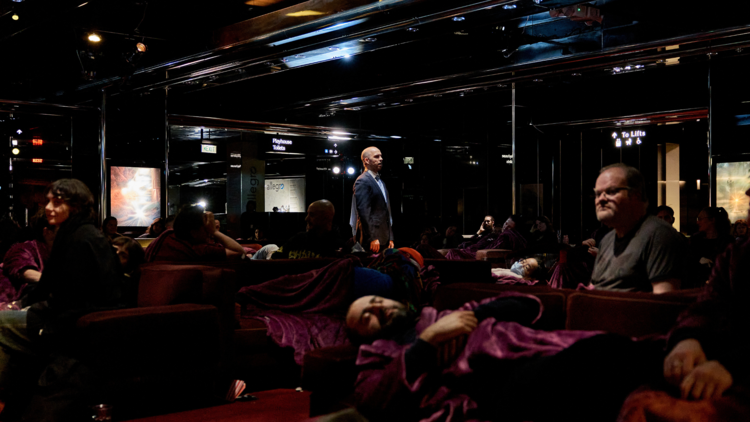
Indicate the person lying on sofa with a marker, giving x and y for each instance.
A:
(531, 270)
(505, 238)
(483, 362)
(195, 238)
(319, 240)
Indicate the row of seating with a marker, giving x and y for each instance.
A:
(187, 333)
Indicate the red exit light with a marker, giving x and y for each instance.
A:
(37, 142)
(36, 160)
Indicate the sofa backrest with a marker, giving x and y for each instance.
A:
(627, 314)
(553, 300)
(464, 271)
(168, 284)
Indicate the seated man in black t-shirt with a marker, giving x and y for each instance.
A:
(319, 240)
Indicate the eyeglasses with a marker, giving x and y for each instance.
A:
(610, 192)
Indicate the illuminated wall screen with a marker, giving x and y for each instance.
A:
(732, 181)
(135, 194)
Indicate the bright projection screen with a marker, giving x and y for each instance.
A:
(135, 194)
(732, 181)
(288, 195)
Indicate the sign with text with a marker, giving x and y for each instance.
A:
(288, 195)
(279, 144)
(208, 149)
(628, 138)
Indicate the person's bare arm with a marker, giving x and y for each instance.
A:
(666, 286)
(32, 276)
(231, 246)
(449, 326)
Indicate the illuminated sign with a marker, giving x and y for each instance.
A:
(634, 137)
(509, 158)
(208, 149)
(36, 160)
(280, 144)
(37, 142)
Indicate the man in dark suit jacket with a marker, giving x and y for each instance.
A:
(372, 204)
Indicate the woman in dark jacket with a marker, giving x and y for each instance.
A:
(709, 242)
(82, 275)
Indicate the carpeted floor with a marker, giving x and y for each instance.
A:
(271, 406)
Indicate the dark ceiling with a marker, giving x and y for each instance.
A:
(303, 62)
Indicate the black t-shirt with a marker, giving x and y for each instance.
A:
(309, 245)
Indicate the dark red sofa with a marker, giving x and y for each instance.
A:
(330, 373)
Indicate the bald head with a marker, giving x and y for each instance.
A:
(320, 216)
(372, 159)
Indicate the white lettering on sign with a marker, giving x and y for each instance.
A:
(626, 138)
(279, 144)
(507, 155)
(208, 149)
(235, 155)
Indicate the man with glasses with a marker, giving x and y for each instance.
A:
(642, 253)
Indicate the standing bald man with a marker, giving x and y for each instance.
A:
(371, 205)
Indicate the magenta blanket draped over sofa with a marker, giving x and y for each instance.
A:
(303, 311)
(382, 381)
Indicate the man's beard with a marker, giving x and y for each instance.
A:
(401, 321)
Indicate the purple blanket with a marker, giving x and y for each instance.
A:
(20, 257)
(569, 274)
(504, 279)
(302, 332)
(382, 382)
(323, 290)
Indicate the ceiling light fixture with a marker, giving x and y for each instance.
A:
(15, 151)
(141, 47)
(94, 38)
(14, 17)
(509, 6)
(336, 170)
(458, 19)
(338, 138)
(350, 170)
(395, 137)
(412, 29)
(368, 39)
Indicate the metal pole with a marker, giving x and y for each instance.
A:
(710, 136)
(537, 178)
(103, 209)
(165, 213)
(581, 213)
(513, 143)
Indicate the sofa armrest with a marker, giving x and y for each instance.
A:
(155, 339)
(329, 373)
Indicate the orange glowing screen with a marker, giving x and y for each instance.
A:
(37, 141)
(135, 195)
(36, 160)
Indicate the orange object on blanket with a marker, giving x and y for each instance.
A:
(413, 254)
